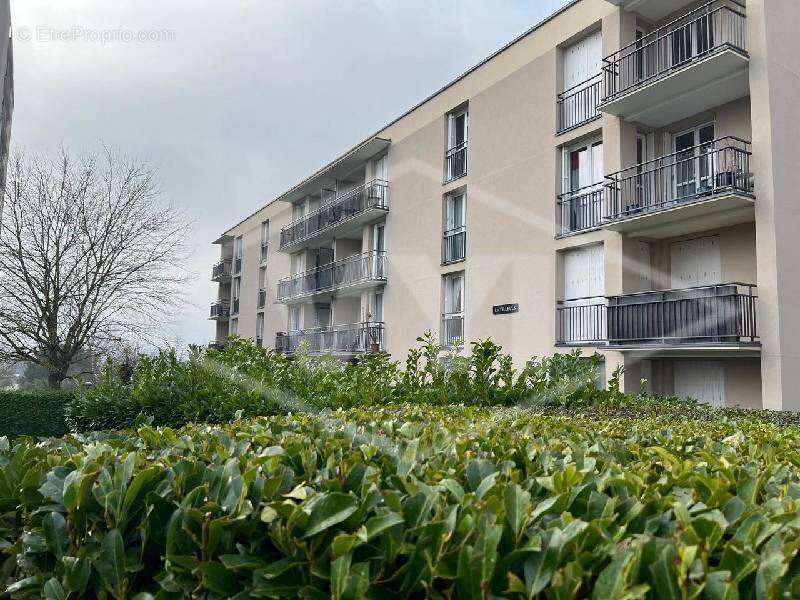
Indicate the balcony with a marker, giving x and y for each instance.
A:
(452, 330)
(455, 162)
(580, 210)
(221, 271)
(578, 105)
(581, 322)
(719, 315)
(709, 185)
(357, 338)
(454, 245)
(688, 66)
(350, 210)
(353, 273)
(220, 310)
(709, 317)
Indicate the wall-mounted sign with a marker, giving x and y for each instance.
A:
(505, 309)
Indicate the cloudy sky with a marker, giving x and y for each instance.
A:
(236, 101)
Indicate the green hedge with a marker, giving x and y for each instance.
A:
(35, 413)
(406, 501)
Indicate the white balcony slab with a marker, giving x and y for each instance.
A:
(722, 210)
(654, 10)
(719, 78)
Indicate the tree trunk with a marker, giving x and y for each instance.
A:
(54, 380)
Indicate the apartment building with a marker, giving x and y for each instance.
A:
(618, 180)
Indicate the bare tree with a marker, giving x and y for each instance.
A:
(88, 255)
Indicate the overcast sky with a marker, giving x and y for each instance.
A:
(236, 101)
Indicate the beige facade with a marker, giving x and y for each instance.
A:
(615, 180)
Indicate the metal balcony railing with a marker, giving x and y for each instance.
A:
(221, 271)
(698, 173)
(262, 298)
(353, 270)
(454, 245)
(713, 27)
(580, 210)
(722, 314)
(356, 338)
(221, 309)
(373, 195)
(455, 162)
(581, 321)
(718, 314)
(578, 105)
(452, 329)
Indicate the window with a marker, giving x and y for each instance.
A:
(260, 329)
(376, 307)
(380, 168)
(233, 327)
(324, 315)
(294, 319)
(262, 287)
(378, 251)
(456, 150)
(264, 240)
(581, 204)
(237, 254)
(298, 211)
(582, 70)
(453, 317)
(581, 316)
(237, 290)
(694, 156)
(455, 230)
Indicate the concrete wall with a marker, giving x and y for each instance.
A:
(775, 88)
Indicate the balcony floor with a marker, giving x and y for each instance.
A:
(654, 10)
(704, 84)
(722, 350)
(722, 210)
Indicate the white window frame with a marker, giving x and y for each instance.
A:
(452, 118)
(450, 210)
(450, 288)
(380, 168)
(695, 131)
(293, 319)
(260, 325)
(591, 146)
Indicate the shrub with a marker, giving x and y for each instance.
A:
(212, 386)
(33, 413)
(172, 392)
(407, 501)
